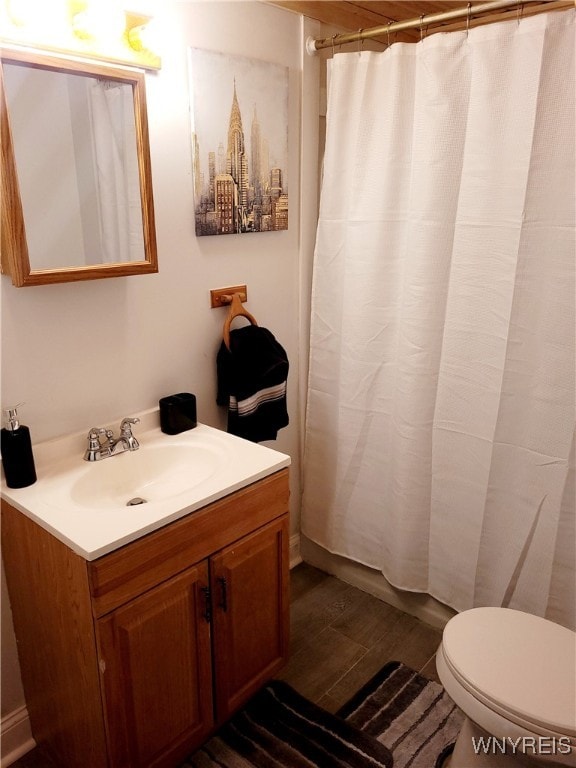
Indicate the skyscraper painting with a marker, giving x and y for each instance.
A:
(239, 111)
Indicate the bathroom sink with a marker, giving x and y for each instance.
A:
(97, 506)
(162, 469)
(152, 473)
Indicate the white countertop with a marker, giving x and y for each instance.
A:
(78, 503)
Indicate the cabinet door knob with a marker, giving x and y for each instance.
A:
(224, 593)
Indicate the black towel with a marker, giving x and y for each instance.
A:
(252, 378)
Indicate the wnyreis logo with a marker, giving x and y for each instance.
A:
(529, 745)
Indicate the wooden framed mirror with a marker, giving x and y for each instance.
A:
(76, 186)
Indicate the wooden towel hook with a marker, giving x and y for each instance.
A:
(236, 310)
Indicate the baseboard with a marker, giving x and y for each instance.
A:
(15, 736)
(422, 606)
(295, 556)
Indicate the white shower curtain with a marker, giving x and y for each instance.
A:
(441, 402)
(117, 172)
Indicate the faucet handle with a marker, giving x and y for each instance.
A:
(95, 432)
(126, 425)
(94, 436)
(93, 452)
(126, 433)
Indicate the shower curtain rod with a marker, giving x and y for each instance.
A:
(314, 45)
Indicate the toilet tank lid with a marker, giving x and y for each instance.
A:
(524, 664)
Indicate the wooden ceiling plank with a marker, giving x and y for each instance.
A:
(353, 15)
(342, 15)
(365, 19)
(338, 14)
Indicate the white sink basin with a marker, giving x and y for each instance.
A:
(152, 473)
(86, 504)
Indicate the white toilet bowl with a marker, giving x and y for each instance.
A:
(514, 677)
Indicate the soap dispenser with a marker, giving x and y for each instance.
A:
(16, 449)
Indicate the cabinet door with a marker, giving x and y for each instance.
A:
(249, 581)
(155, 664)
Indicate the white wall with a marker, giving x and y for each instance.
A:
(81, 354)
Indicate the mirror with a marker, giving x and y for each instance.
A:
(76, 180)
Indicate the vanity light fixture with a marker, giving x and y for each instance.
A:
(117, 31)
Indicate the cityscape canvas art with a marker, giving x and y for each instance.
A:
(239, 112)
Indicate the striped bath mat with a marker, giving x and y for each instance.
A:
(398, 718)
(411, 715)
(278, 728)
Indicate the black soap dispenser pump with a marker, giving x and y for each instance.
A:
(16, 448)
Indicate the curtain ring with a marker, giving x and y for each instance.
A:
(421, 27)
(468, 18)
(360, 41)
(519, 12)
(333, 51)
(388, 30)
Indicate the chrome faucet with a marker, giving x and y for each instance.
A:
(98, 450)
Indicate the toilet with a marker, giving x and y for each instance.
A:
(513, 675)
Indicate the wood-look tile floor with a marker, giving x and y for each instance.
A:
(340, 637)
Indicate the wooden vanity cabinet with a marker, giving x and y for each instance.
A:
(134, 659)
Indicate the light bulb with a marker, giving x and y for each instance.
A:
(100, 20)
(144, 36)
(38, 14)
